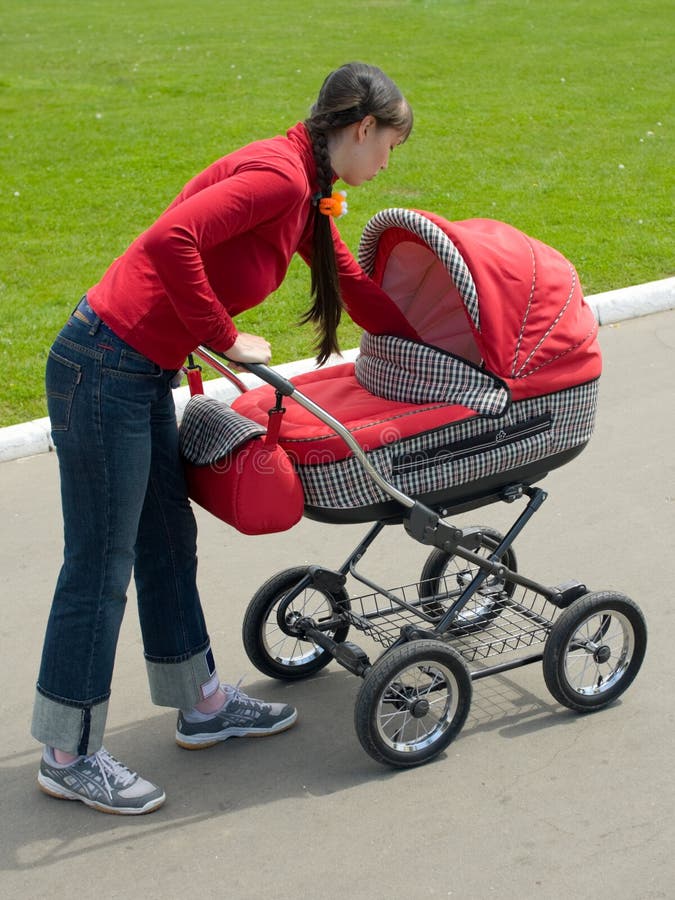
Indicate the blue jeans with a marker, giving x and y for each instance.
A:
(125, 508)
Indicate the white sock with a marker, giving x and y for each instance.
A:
(194, 715)
(51, 759)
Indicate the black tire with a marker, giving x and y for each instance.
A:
(594, 650)
(446, 573)
(399, 720)
(278, 651)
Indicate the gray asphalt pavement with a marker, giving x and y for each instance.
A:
(530, 800)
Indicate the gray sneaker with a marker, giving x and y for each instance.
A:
(101, 782)
(242, 716)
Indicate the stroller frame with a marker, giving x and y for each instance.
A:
(470, 605)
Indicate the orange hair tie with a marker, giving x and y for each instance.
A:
(335, 205)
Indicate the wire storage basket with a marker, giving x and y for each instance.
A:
(496, 620)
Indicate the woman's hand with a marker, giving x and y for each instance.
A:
(249, 348)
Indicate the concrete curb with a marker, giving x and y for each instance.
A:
(631, 302)
(31, 438)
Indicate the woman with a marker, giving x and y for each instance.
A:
(221, 247)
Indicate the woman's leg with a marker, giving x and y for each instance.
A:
(181, 669)
(99, 395)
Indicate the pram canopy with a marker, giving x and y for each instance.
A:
(487, 292)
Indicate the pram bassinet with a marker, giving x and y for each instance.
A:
(501, 389)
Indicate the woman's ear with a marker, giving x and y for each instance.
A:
(365, 125)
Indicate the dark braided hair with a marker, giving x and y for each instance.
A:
(347, 96)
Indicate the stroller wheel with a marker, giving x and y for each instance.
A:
(413, 702)
(594, 650)
(444, 577)
(270, 641)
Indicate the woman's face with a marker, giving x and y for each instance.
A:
(358, 152)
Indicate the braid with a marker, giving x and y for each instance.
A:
(347, 96)
(326, 309)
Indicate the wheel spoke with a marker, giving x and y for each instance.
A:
(397, 735)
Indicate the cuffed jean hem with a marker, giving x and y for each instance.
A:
(73, 729)
(182, 684)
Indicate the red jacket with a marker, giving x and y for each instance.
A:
(222, 246)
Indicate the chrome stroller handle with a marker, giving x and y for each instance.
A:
(287, 389)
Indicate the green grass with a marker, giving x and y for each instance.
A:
(555, 117)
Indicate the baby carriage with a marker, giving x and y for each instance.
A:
(501, 390)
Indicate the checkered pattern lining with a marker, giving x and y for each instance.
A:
(434, 238)
(398, 369)
(210, 430)
(461, 453)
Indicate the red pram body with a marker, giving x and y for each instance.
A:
(503, 388)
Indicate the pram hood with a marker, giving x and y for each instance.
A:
(487, 292)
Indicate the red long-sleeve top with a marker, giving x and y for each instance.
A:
(224, 245)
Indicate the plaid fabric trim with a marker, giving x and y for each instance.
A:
(434, 238)
(210, 430)
(443, 458)
(397, 369)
